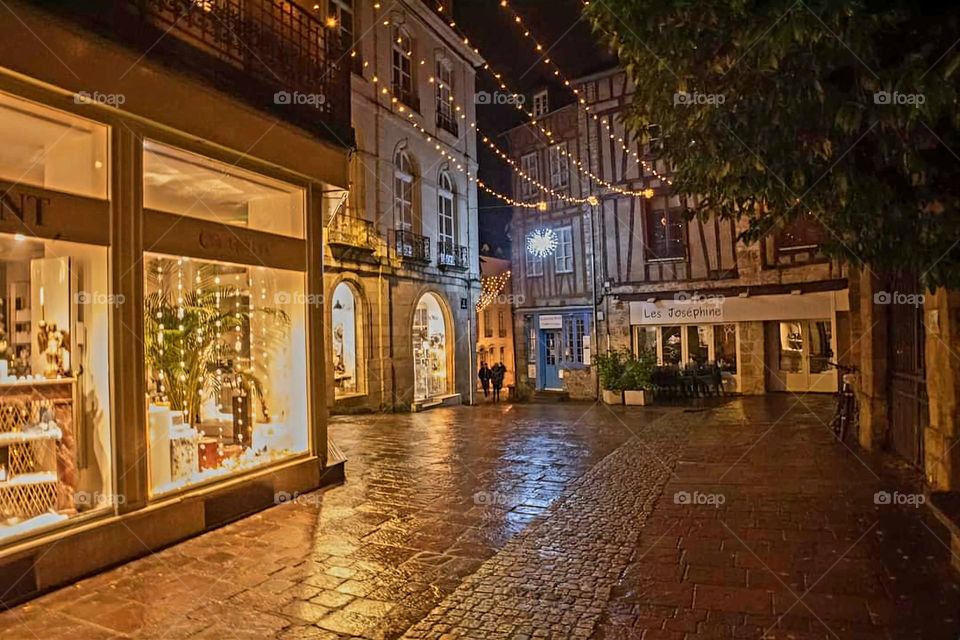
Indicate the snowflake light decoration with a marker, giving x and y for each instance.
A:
(542, 242)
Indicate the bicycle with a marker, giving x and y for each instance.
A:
(846, 413)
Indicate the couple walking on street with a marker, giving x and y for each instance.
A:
(492, 375)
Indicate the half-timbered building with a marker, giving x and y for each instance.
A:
(771, 314)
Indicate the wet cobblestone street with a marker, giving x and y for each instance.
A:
(743, 520)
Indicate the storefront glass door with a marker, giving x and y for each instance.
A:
(800, 352)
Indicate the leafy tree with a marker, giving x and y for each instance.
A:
(772, 109)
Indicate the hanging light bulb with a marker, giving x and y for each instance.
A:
(542, 242)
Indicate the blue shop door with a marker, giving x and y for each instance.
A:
(550, 359)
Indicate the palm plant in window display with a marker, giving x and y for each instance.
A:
(198, 334)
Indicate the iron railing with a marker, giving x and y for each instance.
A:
(352, 231)
(411, 246)
(270, 53)
(452, 256)
(447, 123)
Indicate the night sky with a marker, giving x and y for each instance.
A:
(566, 38)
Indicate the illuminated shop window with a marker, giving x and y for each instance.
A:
(226, 368)
(346, 341)
(183, 183)
(55, 460)
(47, 148)
(430, 345)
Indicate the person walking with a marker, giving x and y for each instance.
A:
(485, 374)
(497, 373)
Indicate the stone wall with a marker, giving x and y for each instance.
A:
(751, 368)
(869, 341)
(581, 384)
(942, 455)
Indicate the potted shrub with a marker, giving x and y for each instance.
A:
(610, 371)
(637, 373)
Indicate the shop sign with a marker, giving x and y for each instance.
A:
(717, 309)
(25, 207)
(551, 322)
(53, 214)
(674, 313)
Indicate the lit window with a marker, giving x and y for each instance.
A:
(346, 369)
(445, 200)
(403, 181)
(563, 259)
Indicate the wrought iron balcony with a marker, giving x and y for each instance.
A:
(412, 247)
(272, 54)
(352, 237)
(452, 256)
(447, 123)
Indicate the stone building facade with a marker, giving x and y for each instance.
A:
(401, 263)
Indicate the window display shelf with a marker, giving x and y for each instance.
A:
(33, 382)
(28, 479)
(34, 435)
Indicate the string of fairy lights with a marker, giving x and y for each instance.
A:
(491, 287)
(545, 242)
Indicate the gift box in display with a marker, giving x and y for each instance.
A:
(184, 461)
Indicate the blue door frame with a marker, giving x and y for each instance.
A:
(550, 355)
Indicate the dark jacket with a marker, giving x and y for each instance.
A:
(485, 374)
(497, 373)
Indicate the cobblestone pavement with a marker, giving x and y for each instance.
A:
(743, 520)
(428, 498)
(768, 528)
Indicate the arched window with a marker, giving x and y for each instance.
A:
(445, 200)
(403, 181)
(346, 341)
(403, 67)
(431, 348)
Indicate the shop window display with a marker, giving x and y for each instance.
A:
(54, 383)
(429, 349)
(345, 341)
(226, 368)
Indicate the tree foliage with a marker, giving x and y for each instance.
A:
(844, 109)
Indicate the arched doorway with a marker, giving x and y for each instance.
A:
(346, 341)
(431, 342)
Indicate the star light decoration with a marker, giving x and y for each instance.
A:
(542, 242)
